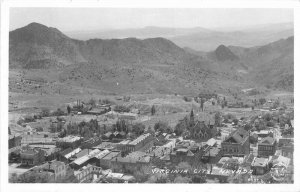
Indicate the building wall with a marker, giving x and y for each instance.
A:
(236, 148)
(32, 159)
(266, 150)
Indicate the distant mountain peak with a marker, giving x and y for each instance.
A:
(223, 53)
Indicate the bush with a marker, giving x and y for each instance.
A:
(58, 112)
(28, 119)
(45, 112)
(186, 99)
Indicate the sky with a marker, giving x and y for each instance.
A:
(91, 19)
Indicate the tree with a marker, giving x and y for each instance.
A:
(218, 119)
(163, 127)
(58, 112)
(192, 122)
(153, 110)
(262, 101)
(69, 109)
(202, 104)
(138, 129)
(92, 102)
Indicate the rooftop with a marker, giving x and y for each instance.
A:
(267, 141)
(139, 139)
(72, 152)
(260, 162)
(102, 154)
(69, 139)
(111, 155)
(86, 157)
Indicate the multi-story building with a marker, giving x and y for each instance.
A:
(58, 168)
(260, 166)
(266, 147)
(31, 157)
(236, 144)
(131, 163)
(142, 143)
(14, 141)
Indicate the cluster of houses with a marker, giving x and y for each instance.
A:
(113, 157)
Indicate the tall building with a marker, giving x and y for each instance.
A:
(266, 147)
(236, 144)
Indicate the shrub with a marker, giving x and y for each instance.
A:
(58, 112)
(186, 99)
(45, 112)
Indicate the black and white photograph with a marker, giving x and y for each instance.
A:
(150, 95)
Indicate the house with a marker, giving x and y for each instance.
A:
(280, 160)
(91, 142)
(105, 162)
(266, 147)
(31, 156)
(14, 141)
(161, 151)
(58, 168)
(236, 144)
(186, 150)
(88, 173)
(14, 154)
(142, 143)
(133, 162)
(109, 135)
(65, 155)
(212, 155)
(260, 166)
(89, 158)
(69, 141)
(122, 146)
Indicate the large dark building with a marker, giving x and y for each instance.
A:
(236, 144)
(267, 147)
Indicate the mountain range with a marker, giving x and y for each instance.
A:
(199, 38)
(151, 65)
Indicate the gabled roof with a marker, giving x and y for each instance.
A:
(238, 136)
(267, 141)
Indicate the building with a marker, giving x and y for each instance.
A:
(88, 173)
(122, 146)
(260, 166)
(266, 147)
(69, 141)
(14, 141)
(185, 151)
(89, 158)
(212, 155)
(236, 144)
(161, 151)
(31, 156)
(106, 145)
(142, 143)
(65, 155)
(131, 163)
(105, 162)
(91, 142)
(58, 168)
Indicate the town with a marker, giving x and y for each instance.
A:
(210, 138)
